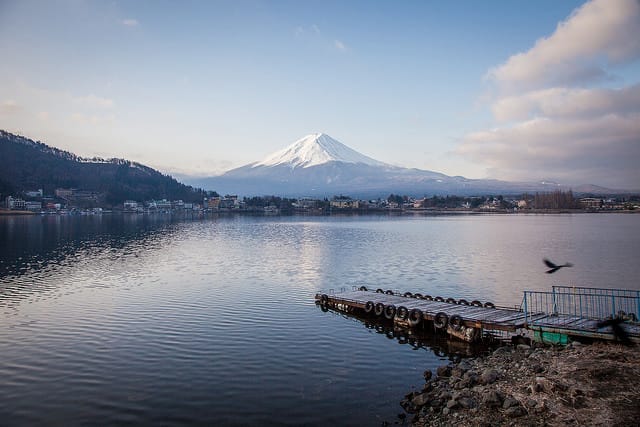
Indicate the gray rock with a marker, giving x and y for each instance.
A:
(427, 374)
(515, 412)
(436, 403)
(457, 372)
(492, 399)
(502, 350)
(421, 399)
(445, 395)
(510, 401)
(446, 411)
(467, 402)
(452, 404)
(460, 394)
(489, 376)
(478, 389)
(444, 371)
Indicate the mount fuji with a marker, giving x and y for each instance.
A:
(320, 166)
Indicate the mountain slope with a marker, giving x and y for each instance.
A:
(28, 165)
(319, 166)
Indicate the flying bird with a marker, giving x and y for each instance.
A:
(553, 267)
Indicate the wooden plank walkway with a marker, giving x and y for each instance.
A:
(498, 319)
(501, 319)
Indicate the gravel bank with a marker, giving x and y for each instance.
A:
(579, 385)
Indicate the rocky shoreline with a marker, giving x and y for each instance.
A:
(597, 384)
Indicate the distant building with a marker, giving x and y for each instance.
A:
(130, 205)
(212, 203)
(163, 204)
(344, 202)
(34, 193)
(306, 203)
(64, 193)
(14, 203)
(591, 203)
(33, 206)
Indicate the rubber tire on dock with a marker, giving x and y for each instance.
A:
(369, 307)
(415, 317)
(390, 311)
(476, 303)
(324, 299)
(463, 302)
(489, 305)
(388, 292)
(456, 322)
(363, 288)
(441, 320)
(402, 312)
(427, 298)
(451, 301)
(379, 309)
(379, 291)
(408, 295)
(417, 296)
(439, 299)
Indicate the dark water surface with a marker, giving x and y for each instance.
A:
(139, 320)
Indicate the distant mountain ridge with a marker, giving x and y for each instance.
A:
(26, 164)
(320, 166)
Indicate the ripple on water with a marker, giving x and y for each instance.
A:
(142, 322)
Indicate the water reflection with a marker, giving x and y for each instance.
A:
(110, 318)
(418, 339)
(36, 250)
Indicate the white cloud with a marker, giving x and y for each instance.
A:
(599, 33)
(130, 22)
(601, 150)
(339, 45)
(567, 102)
(552, 125)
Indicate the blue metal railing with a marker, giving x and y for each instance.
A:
(582, 303)
(597, 291)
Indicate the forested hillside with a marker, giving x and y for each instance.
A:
(29, 165)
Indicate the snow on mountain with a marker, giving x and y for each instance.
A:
(316, 149)
(318, 165)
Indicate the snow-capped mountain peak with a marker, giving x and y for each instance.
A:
(316, 149)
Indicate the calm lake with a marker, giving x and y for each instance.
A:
(140, 320)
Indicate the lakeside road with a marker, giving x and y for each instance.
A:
(580, 385)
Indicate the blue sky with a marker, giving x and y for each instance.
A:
(544, 90)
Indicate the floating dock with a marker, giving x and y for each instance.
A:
(553, 318)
